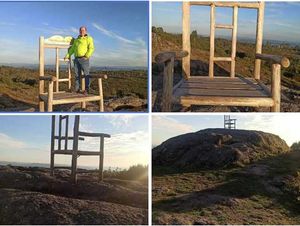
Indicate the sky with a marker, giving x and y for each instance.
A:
(27, 139)
(284, 125)
(282, 20)
(119, 29)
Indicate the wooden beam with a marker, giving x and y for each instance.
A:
(83, 103)
(168, 86)
(212, 41)
(228, 101)
(222, 59)
(57, 69)
(234, 41)
(50, 97)
(75, 149)
(53, 46)
(42, 70)
(69, 74)
(274, 59)
(52, 146)
(101, 158)
(259, 38)
(167, 56)
(275, 87)
(186, 45)
(101, 101)
(224, 26)
(249, 5)
(66, 132)
(87, 134)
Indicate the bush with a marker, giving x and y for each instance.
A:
(295, 146)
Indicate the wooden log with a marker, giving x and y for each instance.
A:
(234, 41)
(59, 132)
(168, 86)
(75, 150)
(66, 131)
(57, 70)
(87, 134)
(52, 146)
(274, 59)
(50, 97)
(212, 41)
(228, 101)
(222, 59)
(259, 38)
(101, 158)
(249, 5)
(186, 45)
(166, 56)
(101, 102)
(41, 69)
(275, 87)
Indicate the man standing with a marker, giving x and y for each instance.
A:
(82, 48)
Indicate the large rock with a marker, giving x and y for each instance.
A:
(215, 148)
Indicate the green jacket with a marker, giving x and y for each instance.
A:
(82, 47)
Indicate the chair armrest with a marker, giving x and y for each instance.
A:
(87, 134)
(166, 56)
(274, 59)
(47, 78)
(98, 76)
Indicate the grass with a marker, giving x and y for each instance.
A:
(230, 196)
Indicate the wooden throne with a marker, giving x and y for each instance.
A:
(60, 138)
(213, 90)
(53, 95)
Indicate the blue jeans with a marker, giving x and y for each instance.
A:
(82, 64)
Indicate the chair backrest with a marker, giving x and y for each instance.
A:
(186, 45)
(58, 43)
(60, 133)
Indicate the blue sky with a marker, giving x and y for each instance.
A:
(282, 20)
(283, 125)
(119, 29)
(27, 139)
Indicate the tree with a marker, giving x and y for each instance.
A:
(295, 146)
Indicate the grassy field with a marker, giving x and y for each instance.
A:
(265, 192)
(21, 84)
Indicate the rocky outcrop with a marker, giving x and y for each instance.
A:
(215, 148)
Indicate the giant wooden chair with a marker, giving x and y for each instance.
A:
(53, 95)
(60, 144)
(212, 90)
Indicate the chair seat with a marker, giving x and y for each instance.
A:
(238, 91)
(68, 97)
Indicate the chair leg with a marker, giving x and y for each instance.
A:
(42, 106)
(52, 165)
(50, 106)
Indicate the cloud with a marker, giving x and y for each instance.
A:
(9, 143)
(170, 124)
(112, 34)
(119, 121)
(3, 23)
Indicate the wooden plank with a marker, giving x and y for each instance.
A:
(41, 69)
(69, 74)
(63, 80)
(69, 138)
(186, 45)
(229, 80)
(66, 132)
(222, 59)
(276, 68)
(224, 26)
(79, 152)
(219, 93)
(52, 146)
(212, 41)
(67, 98)
(234, 41)
(50, 97)
(101, 158)
(228, 101)
(50, 46)
(221, 86)
(59, 132)
(87, 134)
(249, 5)
(57, 69)
(259, 38)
